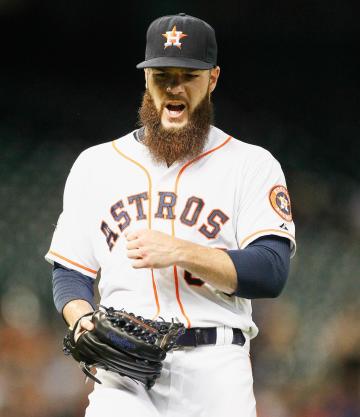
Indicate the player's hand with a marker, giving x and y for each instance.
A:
(84, 324)
(152, 249)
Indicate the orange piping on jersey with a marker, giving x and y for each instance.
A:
(173, 220)
(178, 297)
(146, 173)
(155, 295)
(188, 164)
(149, 217)
(72, 262)
(266, 230)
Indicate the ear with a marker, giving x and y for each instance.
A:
(214, 75)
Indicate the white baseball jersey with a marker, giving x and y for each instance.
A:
(227, 197)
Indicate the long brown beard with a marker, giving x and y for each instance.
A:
(170, 145)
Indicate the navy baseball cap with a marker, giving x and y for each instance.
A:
(180, 41)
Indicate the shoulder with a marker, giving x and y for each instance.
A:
(241, 151)
(99, 154)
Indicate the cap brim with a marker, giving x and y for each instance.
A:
(175, 62)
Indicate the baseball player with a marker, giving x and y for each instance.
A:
(183, 220)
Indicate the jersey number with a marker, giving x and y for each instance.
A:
(192, 280)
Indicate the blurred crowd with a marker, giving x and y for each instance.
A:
(284, 385)
(36, 379)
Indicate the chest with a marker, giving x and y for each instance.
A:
(197, 202)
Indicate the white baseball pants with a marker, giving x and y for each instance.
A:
(203, 381)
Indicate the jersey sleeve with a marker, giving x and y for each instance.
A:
(265, 206)
(71, 244)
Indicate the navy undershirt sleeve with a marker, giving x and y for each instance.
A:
(71, 285)
(262, 267)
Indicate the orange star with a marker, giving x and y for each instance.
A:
(173, 38)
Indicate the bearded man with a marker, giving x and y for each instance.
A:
(184, 221)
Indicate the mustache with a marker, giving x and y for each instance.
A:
(169, 96)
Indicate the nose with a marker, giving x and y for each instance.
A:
(176, 89)
(175, 86)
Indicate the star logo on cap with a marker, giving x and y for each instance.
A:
(173, 37)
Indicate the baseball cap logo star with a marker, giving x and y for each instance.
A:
(173, 38)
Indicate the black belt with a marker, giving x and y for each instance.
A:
(206, 336)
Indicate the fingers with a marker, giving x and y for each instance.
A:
(133, 235)
(135, 254)
(139, 263)
(134, 244)
(148, 248)
(85, 324)
(133, 248)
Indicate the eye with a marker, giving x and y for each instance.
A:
(190, 77)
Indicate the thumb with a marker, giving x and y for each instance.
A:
(86, 324)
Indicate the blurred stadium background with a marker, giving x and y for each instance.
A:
(289, 83)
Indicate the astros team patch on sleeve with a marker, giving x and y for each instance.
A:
(280, 202)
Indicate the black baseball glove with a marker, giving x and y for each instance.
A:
(124, 343)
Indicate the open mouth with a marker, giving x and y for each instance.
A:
(175, 110)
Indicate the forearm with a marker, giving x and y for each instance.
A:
(211, 265)
(258, 271)
(75, 309)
